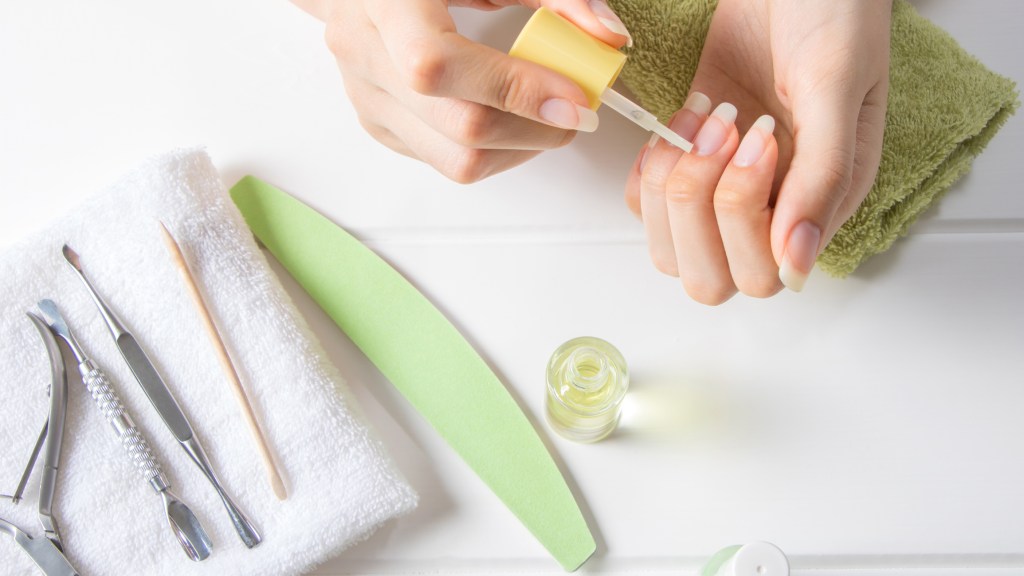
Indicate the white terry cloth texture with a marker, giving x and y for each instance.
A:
(340, 481)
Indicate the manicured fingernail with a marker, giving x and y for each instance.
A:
(688, 120)
(647, 150)
(698, 103)
(801, 251)
(606, 16)
(754, 143)
(715, 130)
(567, 114)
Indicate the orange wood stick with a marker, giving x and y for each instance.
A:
(225, 361)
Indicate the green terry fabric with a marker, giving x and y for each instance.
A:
(944, 107)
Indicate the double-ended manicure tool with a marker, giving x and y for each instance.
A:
(162, 399)
(184, 524)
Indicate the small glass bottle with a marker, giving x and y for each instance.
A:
(587, 379)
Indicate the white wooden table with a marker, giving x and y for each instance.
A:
(867, 425)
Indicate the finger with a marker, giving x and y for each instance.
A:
(466, 123)
(421, 40)
(818, 180)
(475, 125)
(868, 155)
(743, 213)
(372, 105)
(653, 209)
(593, 16)
(459, 163)
(697, 107)
(319, 10)
(394, 125)
(655, 173)
(702, 263)
(353, 40)
(633, 180)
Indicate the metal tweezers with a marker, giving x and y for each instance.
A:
(48, 552)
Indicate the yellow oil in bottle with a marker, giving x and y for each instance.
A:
(587, 379)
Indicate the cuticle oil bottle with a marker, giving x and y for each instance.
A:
(587, 379)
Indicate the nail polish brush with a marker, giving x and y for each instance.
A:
(555, 43)
(643, 118)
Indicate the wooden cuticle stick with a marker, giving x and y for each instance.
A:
(225, 361)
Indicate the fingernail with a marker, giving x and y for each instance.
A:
(606, 16)
(647, 150)
(715, 130)
(688, 120)
(754, 143)
(801, 251)
(698, 103)
(567, 114)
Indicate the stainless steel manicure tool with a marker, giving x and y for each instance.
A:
(48, 552)
(184, 524)
(16, 497)
(160, 396)
(42, 551)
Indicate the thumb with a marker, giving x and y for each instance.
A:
(594, 16)
(434, 60)
(817, 182)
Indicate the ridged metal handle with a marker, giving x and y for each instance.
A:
(135, 445)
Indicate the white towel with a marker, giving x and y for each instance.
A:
(340, 481)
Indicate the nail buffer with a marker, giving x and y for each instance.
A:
(426, 358)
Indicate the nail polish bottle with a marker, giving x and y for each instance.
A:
(587, 379)
(751, 559)
(554, 42)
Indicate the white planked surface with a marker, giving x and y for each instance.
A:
(865, 425)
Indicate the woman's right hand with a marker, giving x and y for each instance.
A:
(468, 110)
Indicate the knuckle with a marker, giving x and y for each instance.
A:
(653, 178)
(337, 38)
(468, 124)
(682, 188)
(376, 131)
(834, 174)
(362, 94)
(665, 264)
(759, 285)
(633, 201)
(363, 99)
(684, 191)
(709, 293)
(513, 92)
(729, 200)
(467, 165)
(425, 66)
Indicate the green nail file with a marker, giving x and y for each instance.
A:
(426, 358)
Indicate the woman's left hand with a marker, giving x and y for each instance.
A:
(753, 216)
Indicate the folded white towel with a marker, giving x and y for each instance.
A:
(341, 483)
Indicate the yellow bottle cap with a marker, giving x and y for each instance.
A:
(553, 42)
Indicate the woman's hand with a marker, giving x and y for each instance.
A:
(468, 110)
(753, 217)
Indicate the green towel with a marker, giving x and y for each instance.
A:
(944, 107)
